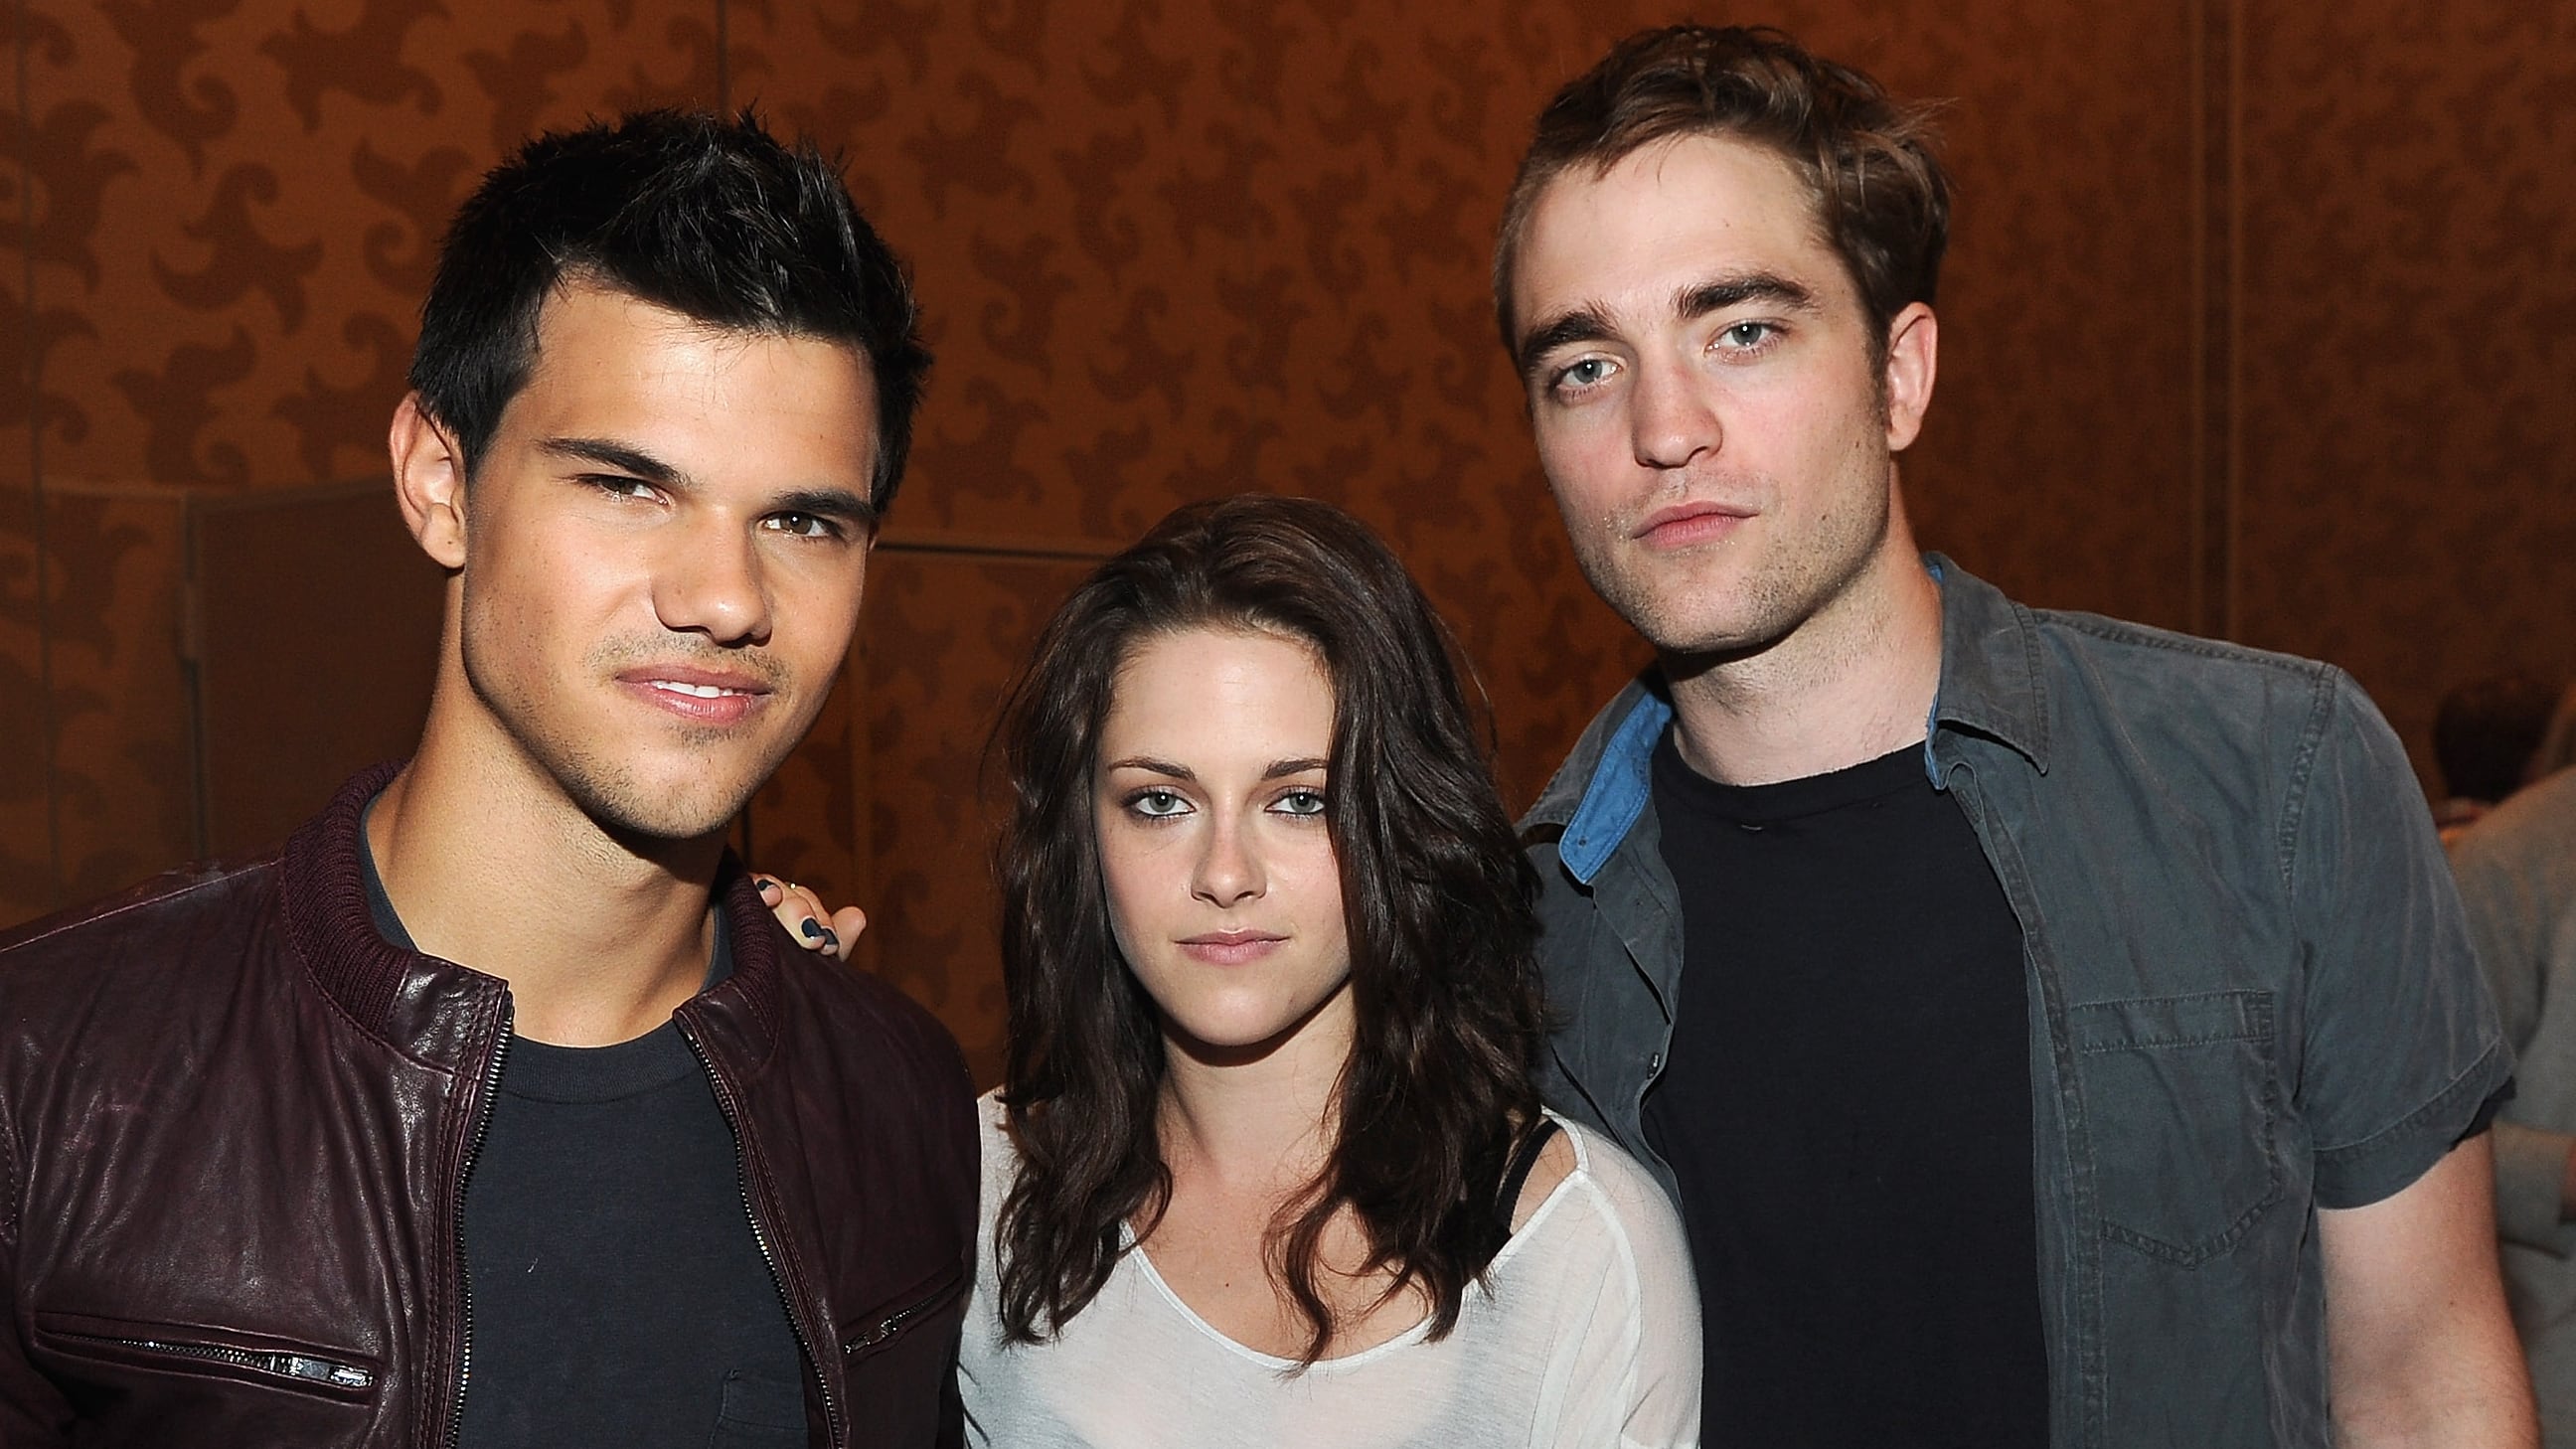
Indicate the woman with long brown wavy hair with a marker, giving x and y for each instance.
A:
(1269, 1166)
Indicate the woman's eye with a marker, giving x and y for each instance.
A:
(1300, 802)
(1157, 804)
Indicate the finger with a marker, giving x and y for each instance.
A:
(836, 937)
(847, 923)
(798, 911)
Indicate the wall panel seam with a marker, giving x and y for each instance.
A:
(32, 374)
(2217, 46)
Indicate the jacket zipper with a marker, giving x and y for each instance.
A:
(893, 1323)
(760, 1235)
(288, 1365)
(464, 1280)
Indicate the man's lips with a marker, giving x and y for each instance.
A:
(1678, 525)
(695, 692)
(1230, 948)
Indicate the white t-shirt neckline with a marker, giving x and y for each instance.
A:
(1358, 1357)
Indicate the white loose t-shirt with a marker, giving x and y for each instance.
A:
(1589, 1336)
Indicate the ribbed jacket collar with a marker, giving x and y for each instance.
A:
(441, 1012)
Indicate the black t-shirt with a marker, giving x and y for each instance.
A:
(617, 1294)
(1846, 1106)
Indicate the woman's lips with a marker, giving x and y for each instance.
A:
(1230, 948)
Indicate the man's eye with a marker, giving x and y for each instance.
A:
(1158, 804)
(1590, 372)
(1745, 336)
(1300, 802)
(618, 485)
(805, 525)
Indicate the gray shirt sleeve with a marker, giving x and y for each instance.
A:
(2402, 1045)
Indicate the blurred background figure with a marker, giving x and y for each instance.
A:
(2517, 871)
(2485, 736)
(2557, 748)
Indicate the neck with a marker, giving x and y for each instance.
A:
(489, 865)
(1852, 682)
(1259, 1121)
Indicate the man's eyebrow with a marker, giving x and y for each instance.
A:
(1587, 323)
(835, 503)
(618, 456)
(1725, 292)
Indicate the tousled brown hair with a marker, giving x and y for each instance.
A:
(1882, 200)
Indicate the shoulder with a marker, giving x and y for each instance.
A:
(1000, 1156)
(2162, 669)
(841, 1035)
(2109, 699)
(1558, 1160)
(184, 924)
(1602, 1198)
(2536, 826)
(1605, 1267)
(861, 1017)
(2259, 724)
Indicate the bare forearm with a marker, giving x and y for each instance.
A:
(2471, 1406)
(2422, 1348)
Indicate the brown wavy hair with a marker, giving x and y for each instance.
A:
(1436, 897)
(1882, 200)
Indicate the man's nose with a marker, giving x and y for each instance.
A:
(711, 582)
(1672, 418)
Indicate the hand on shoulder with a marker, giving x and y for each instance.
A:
(808, 921)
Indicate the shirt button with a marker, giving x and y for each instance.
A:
(1654, 1061)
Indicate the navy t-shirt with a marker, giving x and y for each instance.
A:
(617, 1294)
(1846, 1108)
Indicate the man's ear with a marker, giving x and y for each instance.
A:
(429, 482)
(1913, 357)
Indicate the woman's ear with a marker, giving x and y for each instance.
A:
(429, 482)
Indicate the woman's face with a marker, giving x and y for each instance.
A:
(1209, 794)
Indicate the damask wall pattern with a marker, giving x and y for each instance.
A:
(2409, 503)
(1176, 247)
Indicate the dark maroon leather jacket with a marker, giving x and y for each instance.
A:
(234, 1130)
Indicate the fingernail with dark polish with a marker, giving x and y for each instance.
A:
(831, 939)
(814, 930)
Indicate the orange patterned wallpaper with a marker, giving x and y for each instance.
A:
(2409, 348)
(1175, 247)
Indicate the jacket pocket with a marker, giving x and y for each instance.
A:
(120, 1344)
(2182, 1106)
(914, 1310)
(899, 1361)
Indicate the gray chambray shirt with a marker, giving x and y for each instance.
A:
(2251, 990)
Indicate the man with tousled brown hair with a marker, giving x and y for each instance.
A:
(2055, 1031)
